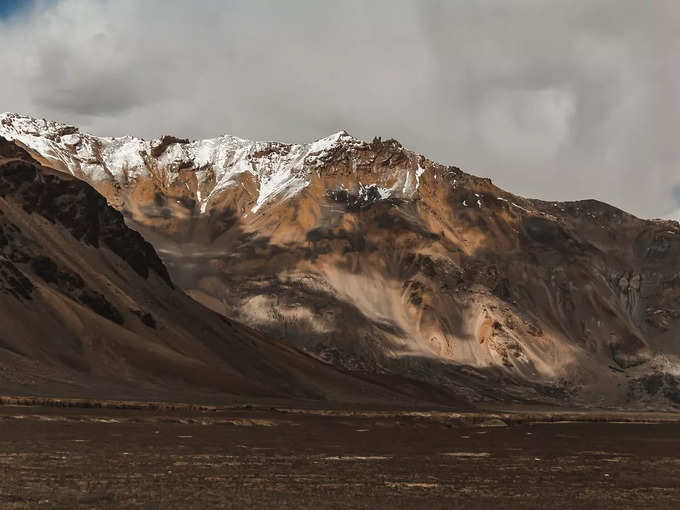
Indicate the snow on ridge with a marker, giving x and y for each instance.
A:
(37, 134)
(329, 142)
(281, 170)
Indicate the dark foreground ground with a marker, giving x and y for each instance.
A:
(110, 458)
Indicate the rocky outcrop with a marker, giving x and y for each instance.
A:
(77, 207)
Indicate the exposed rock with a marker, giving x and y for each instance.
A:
(87, 309)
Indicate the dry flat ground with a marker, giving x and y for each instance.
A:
(266, 458)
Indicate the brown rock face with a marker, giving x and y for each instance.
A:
(80, 210)
(87, 309)
(535, 298)
(378, 260)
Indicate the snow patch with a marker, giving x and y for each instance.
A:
(520, 207)
(325, 144)
(420, 170)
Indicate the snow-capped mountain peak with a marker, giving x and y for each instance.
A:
(280, 169)
(277, 169)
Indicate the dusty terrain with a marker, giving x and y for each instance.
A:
(269, 458)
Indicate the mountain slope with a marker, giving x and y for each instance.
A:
(87, 308)
(381, 261)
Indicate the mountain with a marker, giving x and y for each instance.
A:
(381, 261)
(87, 308)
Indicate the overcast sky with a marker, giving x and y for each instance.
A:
(552, 99)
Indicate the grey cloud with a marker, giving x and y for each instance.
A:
(554, 99)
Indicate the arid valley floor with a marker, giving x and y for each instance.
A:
(263, 457)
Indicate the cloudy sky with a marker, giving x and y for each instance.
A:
(556, 99)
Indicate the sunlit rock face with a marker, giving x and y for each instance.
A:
(88, 309)
(376, 259)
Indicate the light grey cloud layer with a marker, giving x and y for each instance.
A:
(552, 99)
